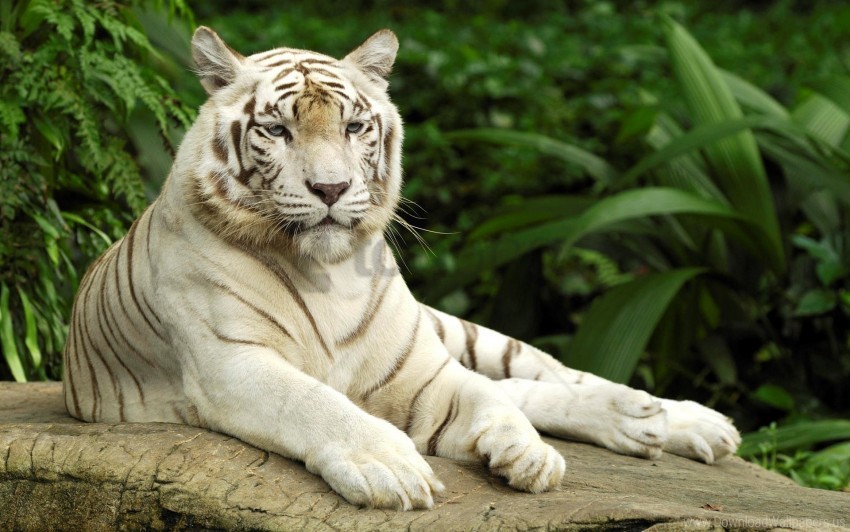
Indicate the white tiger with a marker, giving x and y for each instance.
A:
(256, 297)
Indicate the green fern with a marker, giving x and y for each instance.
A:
(71, 74)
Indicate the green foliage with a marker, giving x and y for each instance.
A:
(828, 468)
(76, 79)
(745, 292)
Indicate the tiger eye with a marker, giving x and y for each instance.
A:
(276, 130)
(354, 127)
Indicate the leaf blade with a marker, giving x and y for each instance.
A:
(626, 205)
(7, 340)
(736, 161)
(595, 166)
(619, 324)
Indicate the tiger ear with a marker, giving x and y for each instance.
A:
(375, 57)
(218, 63)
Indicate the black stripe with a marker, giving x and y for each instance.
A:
(399, 361)
(371, 310)
(111, 348)
(110, 313)
(129, 244)
(79, 319)
(470, 332)
(388, 142)
(150, 309)
(279, 63)
(324, 72)
(69, 352)
(249, 106)
(149, 212)
(285, 86)
(268, 317)
(236, 137)
(228, 339)
(282, 276)
(340, 93)
(507, 355)
(434, 441)
(438, 325)
(286, 95)
(219, 144)
(410, 410)
(103, 315)
(380, 123)
(283, 73)
(115, 262)
(117, 390)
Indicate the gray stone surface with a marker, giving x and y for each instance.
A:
(57, 473)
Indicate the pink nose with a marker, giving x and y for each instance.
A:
(329, 193)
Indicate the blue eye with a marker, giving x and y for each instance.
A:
(277, 130)
(354, 127)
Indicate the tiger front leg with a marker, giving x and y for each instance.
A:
(259, 398)
(478, 423)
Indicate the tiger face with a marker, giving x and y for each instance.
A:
(297, 149)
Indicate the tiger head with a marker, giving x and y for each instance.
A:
(294, 149)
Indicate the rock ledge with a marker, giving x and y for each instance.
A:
(57, 473)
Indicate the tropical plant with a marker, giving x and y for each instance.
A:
(77, 87)
(736, 233)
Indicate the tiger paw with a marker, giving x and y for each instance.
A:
(614, 416)
(698, 432)
(518, 454)
(380, 469)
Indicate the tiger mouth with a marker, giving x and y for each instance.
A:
(328, 223)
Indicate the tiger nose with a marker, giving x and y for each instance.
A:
(329, 193)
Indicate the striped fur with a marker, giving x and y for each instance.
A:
(257, 297)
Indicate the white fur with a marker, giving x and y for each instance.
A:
(310, 344)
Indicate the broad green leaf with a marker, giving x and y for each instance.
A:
(52, 250)
(806, 172)
(71, 217)
(31, 337)
(836, 89)
(834, 454)
(7, 338)
(531, 211)
(615, 331)
(801, 434)
(627, 205)
(738, 169)
(702, 137)
(637, 123)
(52, 134)
(816, 301)
(753, 97)
(47, 227)
(823, 119)
(830, 266)
(775, 396)
(686, 171)
(595, 166)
